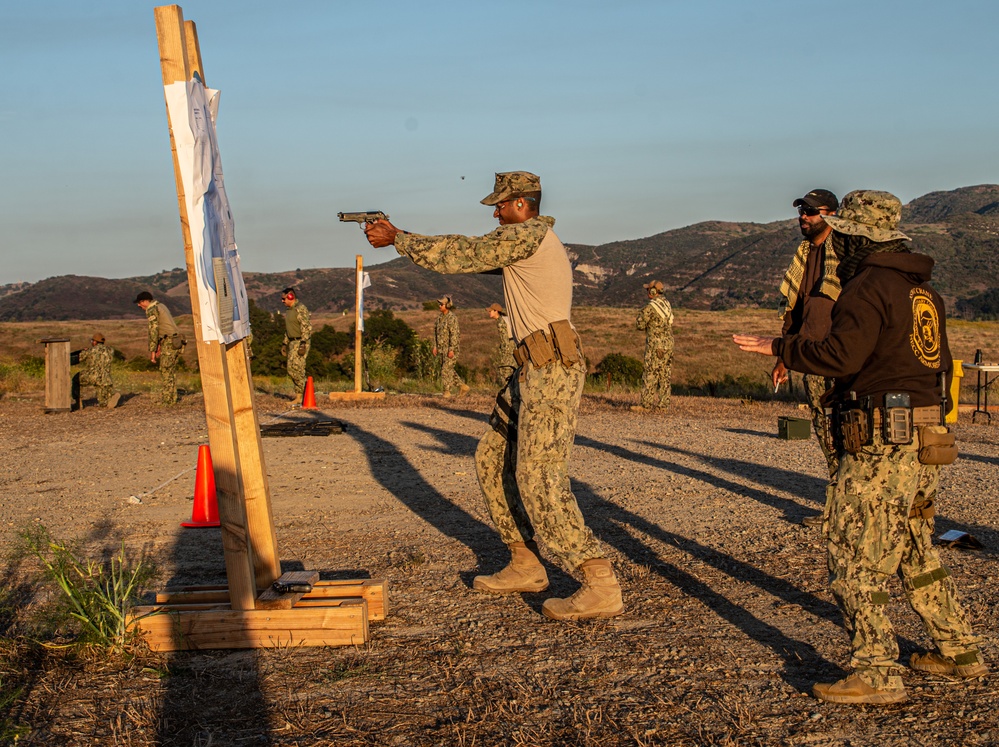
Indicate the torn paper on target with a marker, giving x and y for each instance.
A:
(221, 294)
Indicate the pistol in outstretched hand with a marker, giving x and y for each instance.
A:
(362, 217)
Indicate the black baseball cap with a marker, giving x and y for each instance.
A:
(143, 296)
(817, 198)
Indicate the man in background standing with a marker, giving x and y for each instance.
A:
(447, 340)
(505, 364)
(657, 321)
(809, 290)
(97, 359)
(165, 344)
(297, 340)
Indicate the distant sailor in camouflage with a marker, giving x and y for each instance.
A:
(297, 340)
(165, 344)
(887, 351)
(657, 321)
(503, 356)
(447, 343)
(97, 372)
(522, 463)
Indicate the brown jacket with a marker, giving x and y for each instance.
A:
(888, 334)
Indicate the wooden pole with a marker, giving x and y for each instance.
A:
(249, 445)
(358, 311)
(175, 63)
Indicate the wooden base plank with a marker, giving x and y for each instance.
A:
(373, 591)
(339, 623)
(355, 396)
(272, 599)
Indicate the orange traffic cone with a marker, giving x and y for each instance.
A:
(309, 398)
(206, 503)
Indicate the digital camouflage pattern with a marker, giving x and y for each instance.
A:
(165, 337)
(503, 356)
(815, 387)
(870, 213)
(97, 372)
(297, 342)
(657, 321)
(522, 464)
(511, 183)
(873, 534)
(454, 254)
(447, 339)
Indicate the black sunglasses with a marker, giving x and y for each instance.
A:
(809, 210)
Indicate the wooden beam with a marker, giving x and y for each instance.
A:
(178, 45)
(339, 623)
(358, 312)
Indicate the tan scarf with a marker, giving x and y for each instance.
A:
(790, 286)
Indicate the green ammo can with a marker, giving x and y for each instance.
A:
(794, 429)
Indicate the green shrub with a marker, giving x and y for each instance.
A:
(620, 369)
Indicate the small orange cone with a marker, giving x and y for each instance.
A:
(206, 503)
(309, 398)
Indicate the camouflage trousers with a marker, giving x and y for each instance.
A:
(102, 384)
(815, 387)
(296, 367)
(873, 533)
(656, 376)
(523, 463)
(169, 357)
(449, 377)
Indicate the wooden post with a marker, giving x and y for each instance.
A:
(358, 312)
(179, 57)
(58, 388)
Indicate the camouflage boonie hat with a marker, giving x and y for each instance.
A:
(511, 184)
(653, 285)
(870, 213)
(445, 301)
(497, 308)
(98, 337)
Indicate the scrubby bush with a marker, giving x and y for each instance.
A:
(619, 369)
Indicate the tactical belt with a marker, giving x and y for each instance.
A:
(292, 339)
(542, 348)
(929, 415)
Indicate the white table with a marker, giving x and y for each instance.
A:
(990, 372)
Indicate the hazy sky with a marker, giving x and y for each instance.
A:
(640, 116)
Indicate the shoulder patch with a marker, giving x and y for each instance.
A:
(925, 336)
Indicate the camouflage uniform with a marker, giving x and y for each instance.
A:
(297, 341)
(874, 533)
(888, 336)
(165, 337)
(657, 321)
(522, 463)
(503, 358)
(97, 373)
(447, 339)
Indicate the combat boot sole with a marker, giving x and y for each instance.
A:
(854, 690)
(558, 612)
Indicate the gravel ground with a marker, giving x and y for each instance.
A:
(729, 619)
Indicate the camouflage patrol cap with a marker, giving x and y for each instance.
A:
(445, 301)
(511, 184)
(870, 213)
(497, 308)
(653, 285)
(98, 337)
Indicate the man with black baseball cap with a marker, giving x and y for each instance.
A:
(809, 289)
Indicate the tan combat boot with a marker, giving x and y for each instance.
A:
(599, 596)
(524, 572)
(965, 666)
(853, 689)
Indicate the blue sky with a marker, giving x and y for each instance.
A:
(639, 116)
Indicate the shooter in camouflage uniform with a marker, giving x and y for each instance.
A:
(297, 340)
(503, 356)
(97, 359)
(887, 348)
(522, 463)
(810, 288)
(657, 321)
(165, 344)
(447, 341)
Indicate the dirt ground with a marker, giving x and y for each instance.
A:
(729, 618)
